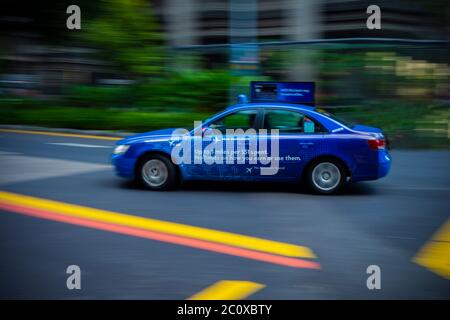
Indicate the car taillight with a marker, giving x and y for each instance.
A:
(377, 144)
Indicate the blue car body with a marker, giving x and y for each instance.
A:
(347, 144)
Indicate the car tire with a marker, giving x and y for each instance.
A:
(326, 176)
(156, 172)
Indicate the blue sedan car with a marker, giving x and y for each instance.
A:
(312, 147)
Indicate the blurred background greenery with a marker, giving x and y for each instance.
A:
(122, 72)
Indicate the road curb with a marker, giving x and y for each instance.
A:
(66, 130)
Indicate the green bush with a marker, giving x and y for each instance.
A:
(99, 118)
(184, 91)
(406, 123)
(97, 96)
(188, 91)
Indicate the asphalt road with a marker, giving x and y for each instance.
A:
(382, 223)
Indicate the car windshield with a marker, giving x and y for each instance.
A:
(338, 119)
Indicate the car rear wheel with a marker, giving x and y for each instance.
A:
(157, 172)
(326, 176)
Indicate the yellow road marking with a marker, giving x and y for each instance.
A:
(228, 290)
(173, 228)
(60, 134)
(435, 254)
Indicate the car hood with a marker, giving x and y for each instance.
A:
(160, 135)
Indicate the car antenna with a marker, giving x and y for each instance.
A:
(242, 99)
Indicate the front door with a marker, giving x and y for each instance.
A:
(234, 144)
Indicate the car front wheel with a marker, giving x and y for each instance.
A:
(156, 172)
(326, 176)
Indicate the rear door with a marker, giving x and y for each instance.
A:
(299, 139)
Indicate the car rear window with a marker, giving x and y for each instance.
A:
(336, 118)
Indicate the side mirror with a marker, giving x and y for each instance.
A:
(207, 130)
(212, 133)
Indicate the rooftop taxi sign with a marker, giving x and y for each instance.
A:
(287, 92)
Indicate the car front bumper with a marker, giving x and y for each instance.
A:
(124, 166)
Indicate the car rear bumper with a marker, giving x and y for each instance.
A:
(378, 168)
(384, 163)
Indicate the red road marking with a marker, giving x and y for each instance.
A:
(159, 236)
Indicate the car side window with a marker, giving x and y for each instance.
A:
(287, 121)
(244, 119)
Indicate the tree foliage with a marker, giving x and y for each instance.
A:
(127, 34)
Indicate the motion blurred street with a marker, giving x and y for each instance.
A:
(78, 72)
(384, 223)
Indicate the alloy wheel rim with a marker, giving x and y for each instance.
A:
(155, 172)
(326, 176)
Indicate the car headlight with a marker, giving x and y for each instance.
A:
(121, 149)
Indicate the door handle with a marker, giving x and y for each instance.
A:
(306, 144)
